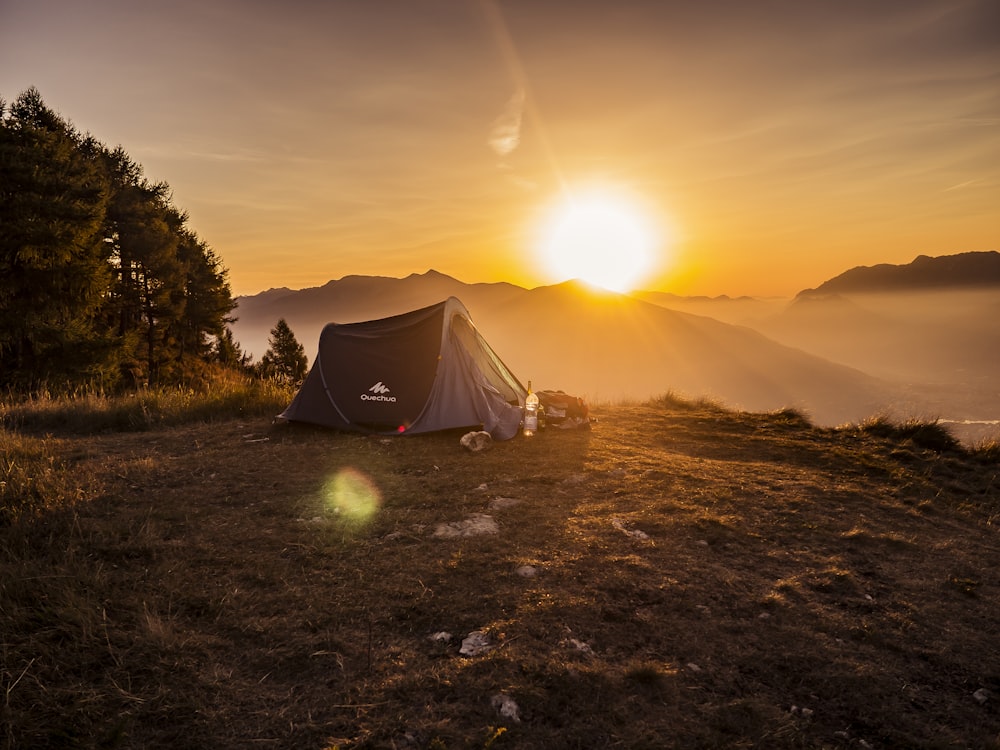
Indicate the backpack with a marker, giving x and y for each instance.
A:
(562, 410)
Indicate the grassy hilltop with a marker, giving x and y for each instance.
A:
(678, 576)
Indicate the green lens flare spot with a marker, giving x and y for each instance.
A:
(352, 497)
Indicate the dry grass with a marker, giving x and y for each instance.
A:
(703, 579)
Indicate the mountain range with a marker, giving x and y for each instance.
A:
(860, 344)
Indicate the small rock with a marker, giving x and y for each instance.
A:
(500, 503)
(526, 571)
(693, 667)
(474, 525)
(764, 616)
(582, 646)
(476, 643)
(477, 441)
(982, 696)
(442, 637)
(506, 706)
(482, 487)
(634, 533)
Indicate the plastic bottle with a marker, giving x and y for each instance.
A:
(530, 412)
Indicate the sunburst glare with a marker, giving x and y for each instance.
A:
(600, 236)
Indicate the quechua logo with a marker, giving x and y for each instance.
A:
(378, 392)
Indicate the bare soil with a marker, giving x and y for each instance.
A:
(676, 576)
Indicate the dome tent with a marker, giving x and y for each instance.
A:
(421, 371)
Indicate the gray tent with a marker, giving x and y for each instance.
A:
(425, 370)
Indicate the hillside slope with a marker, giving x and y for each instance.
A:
(677, 576)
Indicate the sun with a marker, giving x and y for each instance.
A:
(600, 237)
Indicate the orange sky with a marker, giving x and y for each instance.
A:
(781, 141)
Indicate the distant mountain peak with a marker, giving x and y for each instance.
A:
(924, 273)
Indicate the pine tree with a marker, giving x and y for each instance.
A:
(53, 261)
(100, 277)
(229, 353)
(285, 358)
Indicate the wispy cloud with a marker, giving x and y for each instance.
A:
(506, 133)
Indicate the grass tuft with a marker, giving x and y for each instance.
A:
(93, 411)
(926, 435)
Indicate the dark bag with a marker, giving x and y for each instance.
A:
(559, 409)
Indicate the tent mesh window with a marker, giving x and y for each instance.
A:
(487, 360)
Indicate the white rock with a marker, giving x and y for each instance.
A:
(582, 646)
(442, 637)
(982, 696)
(693, 667)
(526, 571)
(634, 533)
(476, 643)
(477, 441)
(506, 706)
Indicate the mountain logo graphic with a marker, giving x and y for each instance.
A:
(378, 392)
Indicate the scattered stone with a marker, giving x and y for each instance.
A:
(702, 543)
(474, 525)
(982, 696)
(506, 706)
(582, 646)
(634, 533)
(477, 441)
(476, 643)
(442, 637)
(693, 667)
(501, 503)
(526, 571)
(482, 487)
(704, 609)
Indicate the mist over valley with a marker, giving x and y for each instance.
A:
(879, 340)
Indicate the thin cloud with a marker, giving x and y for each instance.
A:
(506, 133)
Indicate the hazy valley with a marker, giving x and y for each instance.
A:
(919, 341)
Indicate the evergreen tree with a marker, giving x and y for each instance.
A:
(53, 262)
(148, 295)
(208, 301)
(229, 353)
(285, 358)
(99, 274)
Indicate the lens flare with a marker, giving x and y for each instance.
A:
(352, 496)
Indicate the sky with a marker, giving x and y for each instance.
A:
(769, 145)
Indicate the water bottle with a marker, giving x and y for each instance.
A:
(530, 413)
